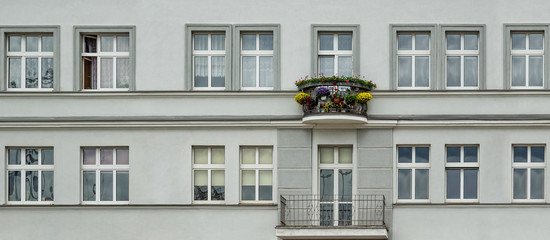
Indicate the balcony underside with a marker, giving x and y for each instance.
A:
(334, 118)
(331, 232)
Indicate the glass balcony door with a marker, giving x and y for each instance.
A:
(335, 186)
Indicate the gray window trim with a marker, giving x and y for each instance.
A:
(189, 29)
(482, 81)
(527, 27)
(334, 28)
(434, 48)
(238, 29)
(77, 50)
(5, 30)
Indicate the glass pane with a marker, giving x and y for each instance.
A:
(344, 42)
(122, 44)
(453, 154)
(470, 71)
(535, 70)
(404, 69)
(345, 155)
(14, 186)
(106, 156)
(47, 72)
(470, 154)
(422, 74)
(453, 184)
(88, 156)
(218, 42)
(14, 156)
(249, 42)
(518, 71)
(200, 42)
(470, 42)
(422, 154)
(15, 72)
(326, 180)
(89, 72)
(249, 71)
(518, 41)
(201, 184)
(15, 43)
(31, 73)
(327, 155)
(266, 41)
(47, 186)
(248, 185)
(537, 184)
(326, 42)
(325, 215)
(47, 43)
(453, 71)
(404, 154)
(107, 43)
(122, 156)
(218, 185)
(422, 42)
(537, 154)
(344, 66)
(47, 156)
(106, 183)
(345, 212)
(404, 42)
(421, 181)
(266, 185)
(249, 156)
(404, 183)
(520, 183)
(122, 72)
(88, 186)
(520, 154)
(326, 65)
(453, 41)
(470, 183)
(536, 41)
(266, 71)
(122, 183)
(218, 72)
(200, 71)
(344, 185)
(106, 73)
(266, 155)
(31, 156)
(218, 156)
(31, 186)
(90, 44)
(32, 43)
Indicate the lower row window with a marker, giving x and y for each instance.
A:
(30, 175)
(105, 174)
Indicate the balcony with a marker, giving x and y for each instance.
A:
(341, 217)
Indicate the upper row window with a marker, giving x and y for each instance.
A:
(30, 61)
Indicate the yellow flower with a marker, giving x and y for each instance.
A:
(364, 97)
(300, 96)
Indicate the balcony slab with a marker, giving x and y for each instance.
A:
(331, 233)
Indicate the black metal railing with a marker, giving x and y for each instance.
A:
(337, 211)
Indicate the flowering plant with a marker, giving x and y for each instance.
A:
(303, 99)
(334, 79)
(351, 99)
(323, 91)
(364, 97)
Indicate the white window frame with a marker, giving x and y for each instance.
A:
(413, 166)
(528, 166)
(413, 54)
(98, 168)
(334, 52)
(23, 168)
(256, 53)
(528, 53)
(209, 167)
(208, 53)
(257, 167)
(462, 166)
(463, 53)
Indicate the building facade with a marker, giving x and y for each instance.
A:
(177, 119)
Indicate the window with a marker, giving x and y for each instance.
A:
(462, 168)
(528, 172)
(336, 50)
(413, 163)
(527, 59)
(413, 60)
(257, 174)
(257, 60)
(462, 59)
(209, 60)
(107, 58)
(105, 174)
(209, 173)
(35, 165)
(335, 185)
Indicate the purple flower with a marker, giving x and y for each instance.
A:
(322, 91)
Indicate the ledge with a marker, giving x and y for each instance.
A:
(331, 233)
(334, 118)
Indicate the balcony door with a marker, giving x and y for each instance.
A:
(335, 186)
